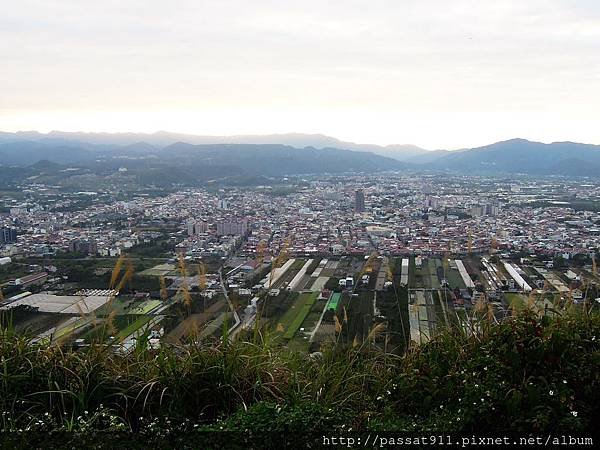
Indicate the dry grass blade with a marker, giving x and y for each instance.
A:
(201, 276)
(338, 325)
(163, 288)
(375, 331)
(116, 271)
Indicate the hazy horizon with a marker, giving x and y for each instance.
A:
(425, 73)
(237, 138)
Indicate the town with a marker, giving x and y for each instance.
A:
(315, 260)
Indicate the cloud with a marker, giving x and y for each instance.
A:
(388, 60)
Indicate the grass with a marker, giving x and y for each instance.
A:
(145, 307)
(432, 265)
(455, 279)
(528, 374)
(129, 324)
(516, 301)
(439, 311)
(301, 315)
(293, 319)
(298, 264)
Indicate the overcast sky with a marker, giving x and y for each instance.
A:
(439, 74)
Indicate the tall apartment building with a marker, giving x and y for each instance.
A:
(8, 235)
(229, 227)
(431, 202)
(85, 246)
(196, 227)
(359, 200)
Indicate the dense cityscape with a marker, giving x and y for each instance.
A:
(300, 255)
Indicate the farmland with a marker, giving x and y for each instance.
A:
(390, 302)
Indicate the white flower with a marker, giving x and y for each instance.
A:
(574, 413)
(551, 392)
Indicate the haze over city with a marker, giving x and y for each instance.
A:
(431, 73)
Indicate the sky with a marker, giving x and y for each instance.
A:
(434, 73)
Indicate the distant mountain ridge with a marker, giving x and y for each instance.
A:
(179, 163)
(523, 156)
(163, 139)
(270, 156)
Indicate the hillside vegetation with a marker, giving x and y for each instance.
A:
(528, 374)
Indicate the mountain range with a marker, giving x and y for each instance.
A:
(164, 138)
(189, 158)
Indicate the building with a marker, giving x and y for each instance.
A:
(236, 228)
(359, 200)
(85, 246)
(201, 227)
(477, 211)
(18, 210)
(8, 235)
(28, 280)
(190, 227)
(194, 227)
(492, 209)
(431, 202)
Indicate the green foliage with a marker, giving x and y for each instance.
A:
(528, 374)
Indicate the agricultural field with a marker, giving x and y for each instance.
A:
(30, 322)
(127, 325)
(126, 305)
(292, 320)
(515, 301)
(190, 325)
(312, 319)
(392, 306)
(159, 270)
(145, 307)
(430, 306)
(297, 316)
(454, 279)
(359, 310)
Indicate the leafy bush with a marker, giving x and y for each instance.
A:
(528, 374)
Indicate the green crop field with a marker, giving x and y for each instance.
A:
(298, 264)
(129, 324)
(433, 280)
(515, 301)
(454, 279)
(144, 307)
(293, 318)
